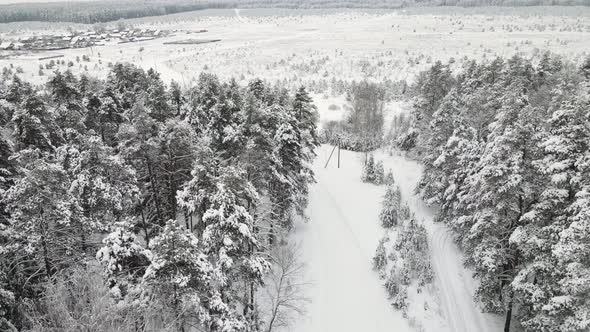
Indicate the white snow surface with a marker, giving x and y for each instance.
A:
(338, 243)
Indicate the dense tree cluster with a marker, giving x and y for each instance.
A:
(507, 150)
(179, 194)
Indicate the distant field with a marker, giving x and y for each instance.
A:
(320, 47)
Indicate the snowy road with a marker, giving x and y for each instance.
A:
(340, 240)
(338, 244)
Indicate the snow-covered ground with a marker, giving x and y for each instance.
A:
(303, 46)
(338, 243)
(340, 239)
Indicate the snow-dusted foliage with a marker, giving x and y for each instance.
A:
(124, 261)
(373, 172)
(391, 210)
(506, 160)
(402, 259)
(168, 189)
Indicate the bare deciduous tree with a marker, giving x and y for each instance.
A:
(286, 287)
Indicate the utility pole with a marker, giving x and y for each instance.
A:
(338, 152)
(330, 156)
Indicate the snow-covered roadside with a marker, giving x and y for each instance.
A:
(338, 243)
(340, 240)
(454, 282)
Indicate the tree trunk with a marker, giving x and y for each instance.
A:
(154, 190)
(145, 230)
(508, 314)
(48, 269)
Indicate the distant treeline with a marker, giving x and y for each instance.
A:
(105, 11)
(93, 12)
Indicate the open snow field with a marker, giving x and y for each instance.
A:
(320, 45)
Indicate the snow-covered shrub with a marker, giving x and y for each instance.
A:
(392, 283)
(404, 274)
(404, 212)
(379, 173)
(390, 207)
(412, 244)
(373, 172)
(400, 300)
(389, 180)
(405, 248)
(380, 259)
(369, 170)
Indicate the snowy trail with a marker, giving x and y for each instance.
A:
(454, 282)
(341, 238)
(337, 245)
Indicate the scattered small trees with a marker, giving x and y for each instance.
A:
(373, 172)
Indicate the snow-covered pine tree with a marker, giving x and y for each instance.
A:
(570, 307)
(369, 170)
(34, 125)
(229, 237)
(178, 153)
(140, 143)
(291, 174)
(103, 186)
(389, 180)
(105, 114)
(379, 173)
(157, 100)
(380, 258)
(433, 183)
(196, 194)
(7, 173)
(543, 240)
(307, 116)
(501, 192)
(63, 88)
(225, 122)
(178, 280)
